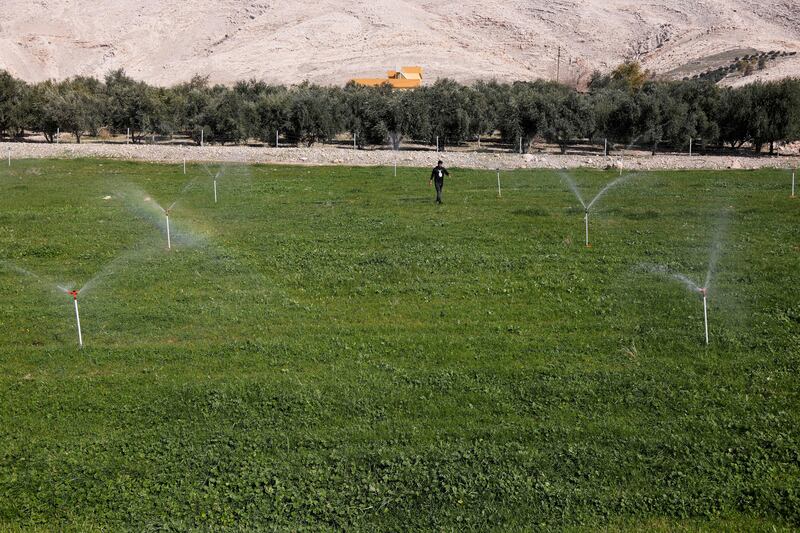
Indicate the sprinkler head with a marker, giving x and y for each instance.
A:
(703, 292)
(74, 294)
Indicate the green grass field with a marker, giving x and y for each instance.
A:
(326, 348)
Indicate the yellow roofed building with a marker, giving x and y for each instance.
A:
(405, 78)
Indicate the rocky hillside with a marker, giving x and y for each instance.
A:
(330, 41)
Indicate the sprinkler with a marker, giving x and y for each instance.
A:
(499, 192)
(588, 206)
(586, 220)
(74, 295)
(793, 180)
(704, 292)
(215, 190)
(696, 288)
(169, 242)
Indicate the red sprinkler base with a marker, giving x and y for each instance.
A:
(74, 294)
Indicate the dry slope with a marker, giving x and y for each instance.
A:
(329, 41)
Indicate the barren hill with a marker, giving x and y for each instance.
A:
(330, 41)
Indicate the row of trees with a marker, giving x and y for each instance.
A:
(625, 107)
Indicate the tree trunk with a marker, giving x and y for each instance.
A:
(78, 135)
(772, 148)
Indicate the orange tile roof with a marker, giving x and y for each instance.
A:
(405, 78)
(396, 83)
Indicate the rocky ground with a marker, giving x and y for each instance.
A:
(331, 41)
(339, 155)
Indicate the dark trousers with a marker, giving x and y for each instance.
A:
(438, 184)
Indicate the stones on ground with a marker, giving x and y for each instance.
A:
(422, 158)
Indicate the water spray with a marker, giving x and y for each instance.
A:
(588, 206)
(106, 270)
(712, 267)
(704, 291)
(74, 295)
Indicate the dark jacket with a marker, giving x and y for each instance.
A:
(438, 173)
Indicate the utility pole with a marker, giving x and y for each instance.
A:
(558, 66)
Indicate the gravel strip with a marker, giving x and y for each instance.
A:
(327, 155)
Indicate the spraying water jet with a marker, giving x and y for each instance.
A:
(714, 256)
(214, 177)
(588, 207)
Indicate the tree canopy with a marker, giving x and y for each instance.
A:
(626, 106)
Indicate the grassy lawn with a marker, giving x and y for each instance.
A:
(326, 348)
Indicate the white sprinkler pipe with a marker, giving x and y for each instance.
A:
(499, 192)
(793, 181)
(77, 317)
(215, 191)
(169, 242)
(586, 220)
(705, 311)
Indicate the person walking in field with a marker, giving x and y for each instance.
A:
(437, 178)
